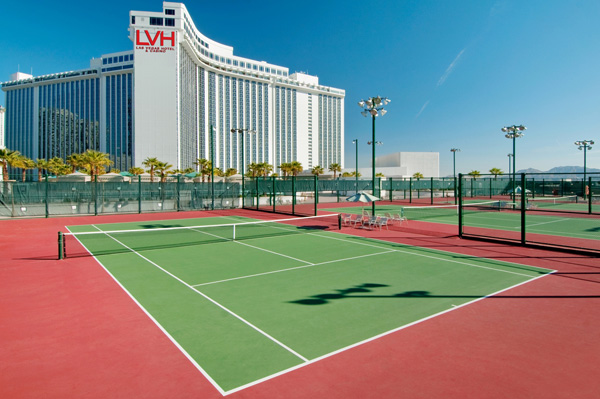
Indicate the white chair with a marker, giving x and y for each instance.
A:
(398, 218)
(346, 219)
(360, 219)
(383, 221)
(389, 217)
(373, 221)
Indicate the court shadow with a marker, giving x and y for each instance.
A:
(322, 299)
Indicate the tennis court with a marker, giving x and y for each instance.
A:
(248, 301)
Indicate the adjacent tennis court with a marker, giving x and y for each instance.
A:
(247, 301)
(497, 215)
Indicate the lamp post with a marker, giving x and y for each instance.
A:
(512, 132)
(374, 107)
(241, 131)
(355, 142)
(454, 151)
(584, 145)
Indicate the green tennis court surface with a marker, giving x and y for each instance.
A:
(248, 309)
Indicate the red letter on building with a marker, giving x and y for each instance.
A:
(171, 39)
(138, 42)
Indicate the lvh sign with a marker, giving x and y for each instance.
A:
(157, 42)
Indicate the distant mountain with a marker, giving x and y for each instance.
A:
(562, 169)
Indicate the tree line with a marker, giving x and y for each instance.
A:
(94, 163)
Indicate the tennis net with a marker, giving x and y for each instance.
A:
(153, 237)
(543, 202)
(449, 213)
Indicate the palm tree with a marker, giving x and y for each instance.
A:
(379, 174)
(317, 170)
(296, 167)
(265, 168)
(229, 172)
(496, 172)
(286, 169)
(348, 174)
(41, 165)
(475, 173)
(418, 175)
(206, 170)
(151, 163)
(335, 168)
(76, 161)
(163, 169)
(253, 170)
(7, 158)
(201, 163)
(95, 162)
(57, 167)
(136, 170)
(25, 164)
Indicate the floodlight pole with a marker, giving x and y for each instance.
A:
(584, 145)
(373, 106)
(512, 132)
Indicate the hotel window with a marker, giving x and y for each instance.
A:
(133, 20)
(169, 22)
(120, 58)
(169, 12)
(104, 61)
(156, 21)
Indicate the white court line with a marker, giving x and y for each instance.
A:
(211, 300)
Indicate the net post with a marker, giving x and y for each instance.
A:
(339, 219)
(61, 245)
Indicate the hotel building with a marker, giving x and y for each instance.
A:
(162, 97)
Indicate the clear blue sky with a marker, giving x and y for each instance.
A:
(456, 71)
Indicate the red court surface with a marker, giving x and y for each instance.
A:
(69, 331)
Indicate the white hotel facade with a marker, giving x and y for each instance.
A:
(161, 99)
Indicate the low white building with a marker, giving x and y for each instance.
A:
(403, 164)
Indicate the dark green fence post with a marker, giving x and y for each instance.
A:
(460, 204)
(391, 188)
(177, 192)
(316, 180)
(523, 206)
(293, 195)
(47, 199)
(95, 183)
(256, 179)
(431, 190)
(274, 195)
(491, 189)
(562, 187)
(139, 194)
(589, 194)
(337, 186)
(410, 186)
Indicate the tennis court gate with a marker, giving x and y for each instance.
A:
(567, 202)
